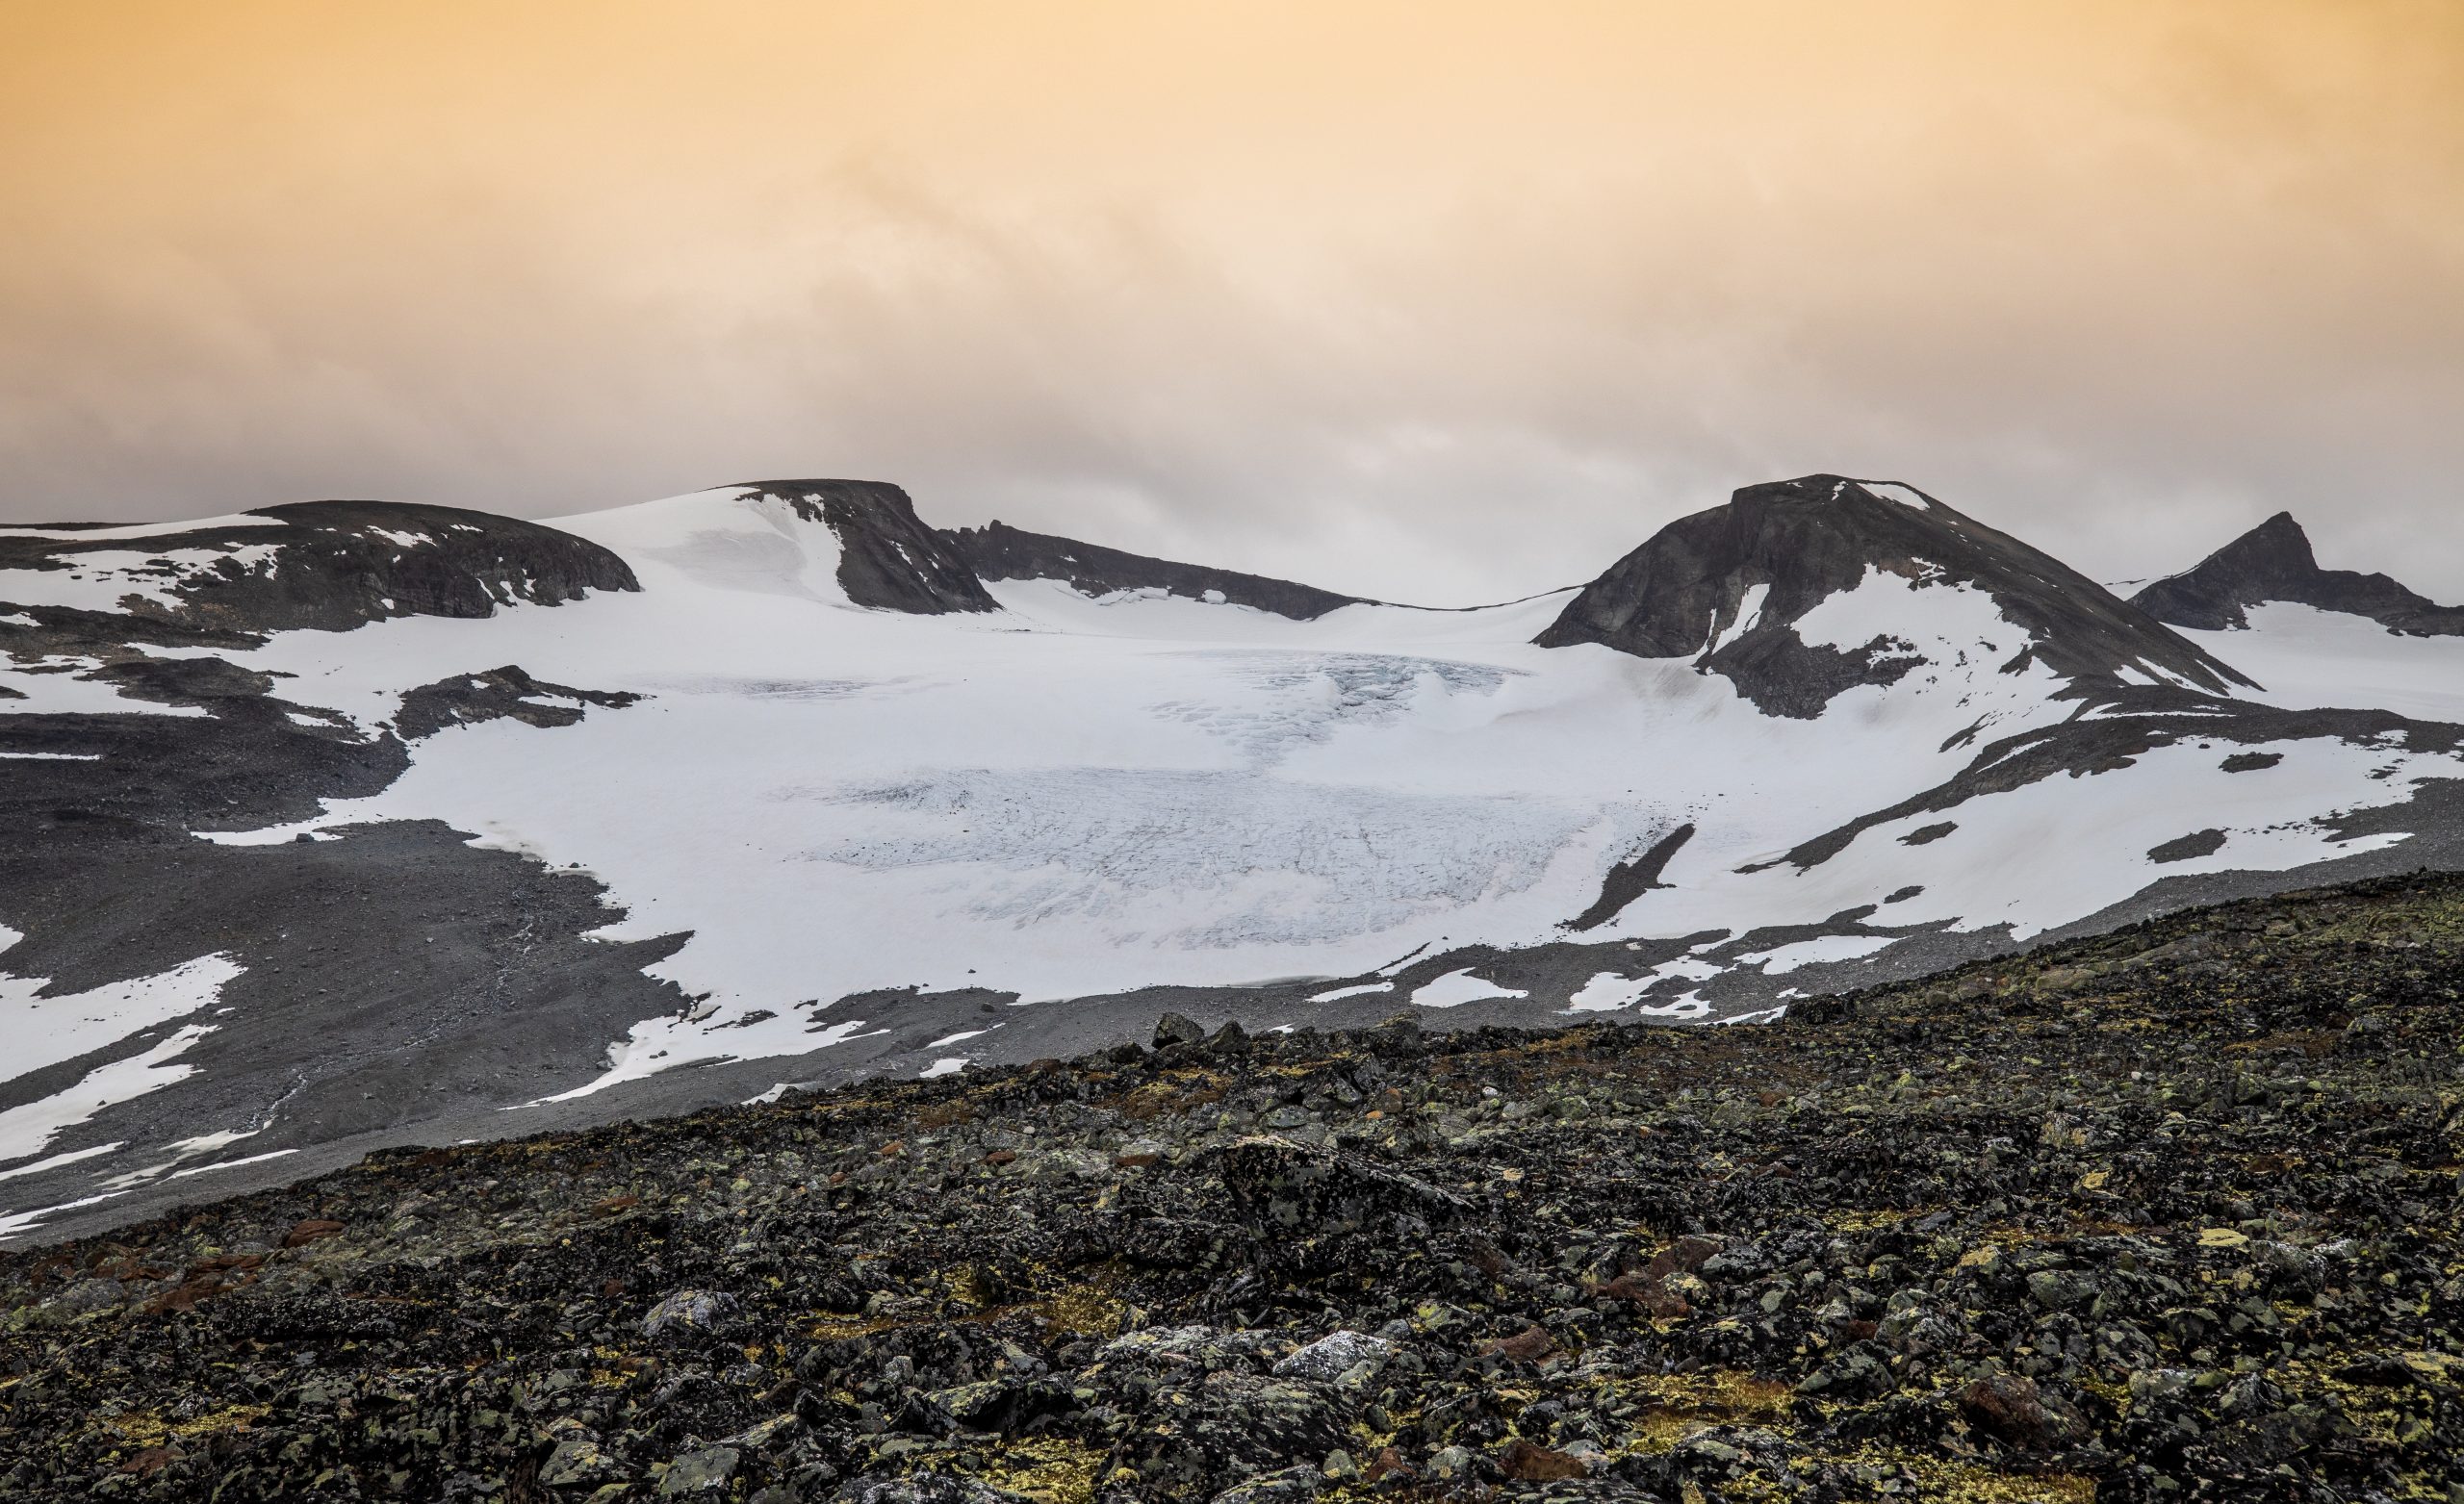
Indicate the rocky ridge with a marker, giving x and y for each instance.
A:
(2172, 1213)
(1000, 551)
(328, 566)
(888, 558)
(1726, 586)
(2274, 561)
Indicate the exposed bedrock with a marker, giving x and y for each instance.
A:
(888, 559)
(1797, 543)
(499, 694)
(2274, 561)
(332, 565)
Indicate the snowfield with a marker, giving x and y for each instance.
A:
(866, 810)
(1079, 795)
(2307, 658)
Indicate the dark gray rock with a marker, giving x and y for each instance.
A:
(1178, 1029)
(333, 565)
(698, 1473)
(2274, 561)
(686, 1311)
(888, 558)
(1796, 542)
(1332, 1355)
(505, 693)
(926, 1487)
(999, 551)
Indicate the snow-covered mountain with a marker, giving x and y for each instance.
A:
(2316, 638)
(345, 824)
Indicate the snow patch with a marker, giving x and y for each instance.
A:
(1458, 987)
(1361, 990)
(1816, 950)
(1893, 491)
(13, 1223)
(44, 1031)
(27, 1130)
(232, 1165)
(56, 1161)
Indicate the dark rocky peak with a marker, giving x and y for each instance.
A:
(1726, 586)
(999, 551)
(2274, 561)
(888, 559)
(326, 565)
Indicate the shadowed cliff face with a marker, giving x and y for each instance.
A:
(888, 559)
(1728, 585)
(2273, 562)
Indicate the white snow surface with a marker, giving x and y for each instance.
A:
(42, 1031)
(1075, 796)
(58, 1160)
(102, 580)
(1822, 948)
(59, 685)
(1363, 989)
(28, 1129)
(1893, 491)
(2308, 659)
(1458, 987)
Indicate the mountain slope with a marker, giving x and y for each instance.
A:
(1732, 588)
(772, 782)
(1001, 552)
(326, 565)
(2273, 562)
(2165, 1215)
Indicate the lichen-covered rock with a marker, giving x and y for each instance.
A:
(686, 1311)
(1331, 1356)
(2185, 1234)
(578, 1462)
(1285, 1187)
(698, 1473)
(1286, 1486)
(929, 1488)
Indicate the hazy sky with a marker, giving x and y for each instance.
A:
(1428, 300)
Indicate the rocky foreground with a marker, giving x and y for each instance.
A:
(2171, 1214)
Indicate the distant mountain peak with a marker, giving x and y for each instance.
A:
(2274, 562)
(1728, 587)
(2279, 546)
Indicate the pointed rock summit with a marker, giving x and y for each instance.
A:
(2274, 561)
(1727, 587)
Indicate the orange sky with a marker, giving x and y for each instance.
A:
(1427, 299)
